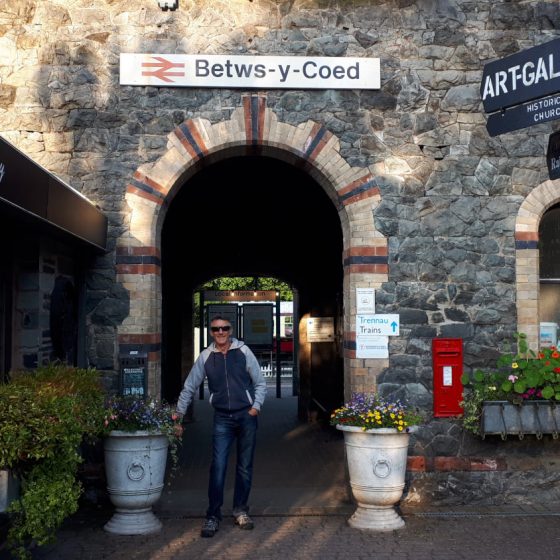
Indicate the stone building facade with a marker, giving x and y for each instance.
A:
(438, 217)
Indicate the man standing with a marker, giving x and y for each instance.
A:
(237, 391)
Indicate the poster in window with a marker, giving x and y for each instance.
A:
(258, 325)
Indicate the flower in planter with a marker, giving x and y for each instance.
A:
(131, 413)
(370, 410)
(518, 376)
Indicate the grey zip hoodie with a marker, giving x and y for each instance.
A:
(235, 380)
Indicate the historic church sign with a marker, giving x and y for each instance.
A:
(225, 71)
(524, 115)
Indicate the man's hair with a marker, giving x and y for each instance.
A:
(219, 317)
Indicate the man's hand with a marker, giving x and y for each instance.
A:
(253, 412)
(178, 428)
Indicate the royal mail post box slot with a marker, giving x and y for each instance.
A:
(447, 357)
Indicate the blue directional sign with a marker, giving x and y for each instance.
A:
(378, 325)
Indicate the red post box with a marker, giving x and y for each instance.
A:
(447, 356)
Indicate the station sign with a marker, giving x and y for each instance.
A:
(237, 71)
(377, 325)
(522, 77)
(525, 115)
(553, 156)
(239, 295)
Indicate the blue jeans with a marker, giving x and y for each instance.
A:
(242, 427)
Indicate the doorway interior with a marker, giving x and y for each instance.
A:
(254, 216)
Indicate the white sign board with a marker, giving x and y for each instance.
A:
(235, 71)
(365, 300)
(320, 329)
(377, 325)
(372, 346)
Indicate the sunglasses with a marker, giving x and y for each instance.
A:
(226, 328)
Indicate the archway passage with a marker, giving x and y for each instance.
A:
(254, 216)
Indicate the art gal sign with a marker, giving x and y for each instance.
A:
(224, 71)
(528, 75)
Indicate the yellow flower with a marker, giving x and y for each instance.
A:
(515, 365)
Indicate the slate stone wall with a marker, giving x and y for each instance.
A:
(450, 193)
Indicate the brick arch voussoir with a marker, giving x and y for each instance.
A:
(252, 128)
(527, 223)
(535, 205)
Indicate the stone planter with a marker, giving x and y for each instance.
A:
(9, 489)
(135, 470)
(377, 468)
(528, 418)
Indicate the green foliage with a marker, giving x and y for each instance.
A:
(44, 416)
(517, 376)
(49, 495)
(250, 283)
(233, 283)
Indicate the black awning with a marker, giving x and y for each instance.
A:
(27, 187)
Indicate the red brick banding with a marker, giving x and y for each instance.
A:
(421, 463)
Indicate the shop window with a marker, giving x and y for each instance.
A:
(549, 266)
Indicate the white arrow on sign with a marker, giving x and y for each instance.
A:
(377, 325)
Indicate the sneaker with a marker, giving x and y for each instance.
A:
(209, 527)
(244, 521)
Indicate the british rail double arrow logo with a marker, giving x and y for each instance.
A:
(162, 69)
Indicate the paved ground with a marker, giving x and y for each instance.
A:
(300, 503)
(328, 537)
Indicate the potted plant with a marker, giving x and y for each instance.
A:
(519, 395)
(45, 415)
(139, 432)
(376, 435)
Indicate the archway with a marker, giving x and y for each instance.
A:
(254, 216)
(527, 257)
(253, 130)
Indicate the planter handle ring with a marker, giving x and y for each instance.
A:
(136, 470)
(382, 468)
